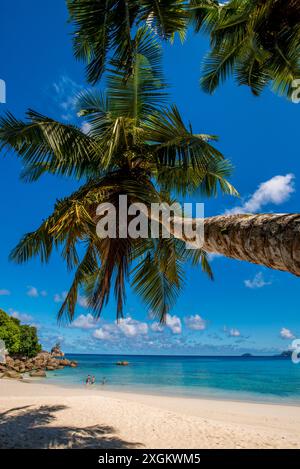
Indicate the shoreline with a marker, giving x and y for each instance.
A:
(114, 419)
(148, 391)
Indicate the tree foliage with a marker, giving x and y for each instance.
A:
(136, 146)
(18, 338)
(106, 28)
(256, 41)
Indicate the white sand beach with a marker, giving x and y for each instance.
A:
(34, 415)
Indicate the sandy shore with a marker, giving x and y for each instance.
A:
(34, 415)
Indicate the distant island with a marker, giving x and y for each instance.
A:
(284, 354)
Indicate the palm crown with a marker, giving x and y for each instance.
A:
(135, 146)
(104, 28)
(257, 40)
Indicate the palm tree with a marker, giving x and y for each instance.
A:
(257, 41)
(135, 146)
(104, 28)
(139, 147)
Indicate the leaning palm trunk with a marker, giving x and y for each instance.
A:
(272, 240)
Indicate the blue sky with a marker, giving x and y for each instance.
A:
(246, 308)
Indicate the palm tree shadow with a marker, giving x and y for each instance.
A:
(27, 427)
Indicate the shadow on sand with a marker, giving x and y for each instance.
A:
(27, 427)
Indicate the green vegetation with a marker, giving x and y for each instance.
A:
(19, 339)
(136, 146)
(256, 41)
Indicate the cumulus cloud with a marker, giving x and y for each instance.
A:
(232, 332)
(33, 292)
(23, 317)
(286, 334)
(131, 327)
(258, 281)
(173, 323)
(5, 292)
(156, 327)
(125, 327)
(102, 334)
(81, 300)
(85, 322)
(276, 190)
(196, 322)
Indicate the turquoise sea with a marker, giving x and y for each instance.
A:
(238, 378)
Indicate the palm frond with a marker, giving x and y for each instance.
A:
(177, 145)
(47, 145)
(165, 18)
(258, 42)
(158, 277)
(139, 94)
(100, 27)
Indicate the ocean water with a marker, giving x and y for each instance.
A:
(252, 379)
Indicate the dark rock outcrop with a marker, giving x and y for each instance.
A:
(43, 361)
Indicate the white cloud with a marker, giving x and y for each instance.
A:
(60, 297)
(196, 322)
(86, 127)
(66, 91)
(156, 327)
(258, 281)
(21, 316)
(286, 334)
(174, 323)
(5, 292)
(232, 332)
(126, 327)
(211, 256)
(102, 334)
(276, 190)
(33, 292)
(84, 322)
(82, 301)
(131, 327)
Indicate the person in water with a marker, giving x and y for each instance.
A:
(93, 380)
(88, 380)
